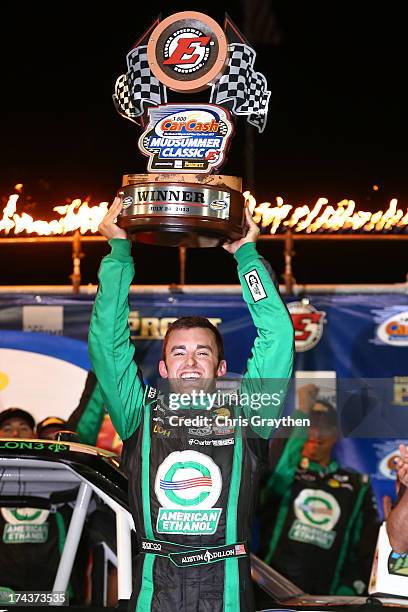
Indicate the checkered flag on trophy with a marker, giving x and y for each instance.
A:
(241, 89)
(138, 88)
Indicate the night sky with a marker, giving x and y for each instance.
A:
(337, 126)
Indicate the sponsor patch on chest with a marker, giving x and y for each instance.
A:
(187, 522)
(188, 485)
(25, 534)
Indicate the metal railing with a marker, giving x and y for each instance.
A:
(288, 238)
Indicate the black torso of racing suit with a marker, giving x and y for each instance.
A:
(320, 529)
(211, 586)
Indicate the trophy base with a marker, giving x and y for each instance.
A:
(197, 212)
(176, 235)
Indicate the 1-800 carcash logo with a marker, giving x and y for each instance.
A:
(186, 138)
(394, 330)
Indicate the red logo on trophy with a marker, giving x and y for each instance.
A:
(187, 52)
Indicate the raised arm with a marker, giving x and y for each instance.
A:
(110, 348)
(270, 365)
(87, 417)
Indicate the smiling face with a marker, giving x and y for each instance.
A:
(191, 360)
(16, 428)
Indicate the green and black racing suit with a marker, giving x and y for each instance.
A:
(191, 490)
(319, 524)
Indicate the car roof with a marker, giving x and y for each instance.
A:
(44, 468)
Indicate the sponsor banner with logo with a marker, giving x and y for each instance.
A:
(360, 336)
(373, 456)
(352, 335)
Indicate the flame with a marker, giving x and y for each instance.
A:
(75, 216)
(325, 217)
(321, 217)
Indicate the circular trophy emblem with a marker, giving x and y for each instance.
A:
(187, 51)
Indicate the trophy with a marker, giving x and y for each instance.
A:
(182, 200)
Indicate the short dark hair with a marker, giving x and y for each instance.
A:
(17, 413)
(190, 323)
(328, 414)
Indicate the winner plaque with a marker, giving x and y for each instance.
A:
(183, 200)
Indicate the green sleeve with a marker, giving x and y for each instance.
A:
(91, 420)
(110, 348)
(87, 417)
(284, 472)
(270, 365)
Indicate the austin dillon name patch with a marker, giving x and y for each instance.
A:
(208, 556)
(255, 285)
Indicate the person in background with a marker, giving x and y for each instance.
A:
(48, 428)
(319, 521)
(16, 423)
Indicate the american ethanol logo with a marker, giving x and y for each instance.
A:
(17, 516)
(317, 508)
(188, 485)
(25, 525)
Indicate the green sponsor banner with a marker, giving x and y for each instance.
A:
(25, 534)
(300, 532)
(194, 522)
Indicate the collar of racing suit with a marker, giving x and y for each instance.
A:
(313, 466)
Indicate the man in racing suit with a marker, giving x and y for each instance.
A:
(191, 490)
(319, 522)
